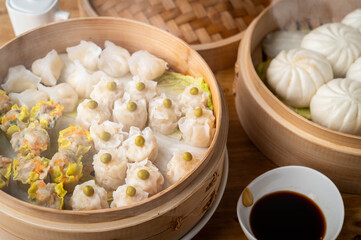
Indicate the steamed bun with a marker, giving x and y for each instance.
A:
(354, 72)
(337, 105)
(339, 43)
(353, 19)
(295, 75)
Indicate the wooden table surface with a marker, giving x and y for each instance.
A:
(245, 161)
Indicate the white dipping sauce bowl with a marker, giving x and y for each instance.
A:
(303, 180)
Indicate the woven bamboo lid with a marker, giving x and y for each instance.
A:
(205, 24)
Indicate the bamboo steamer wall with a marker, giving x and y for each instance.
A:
(168, 214)
(282, 135)
(212, 27)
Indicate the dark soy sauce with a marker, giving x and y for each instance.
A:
(287, 215)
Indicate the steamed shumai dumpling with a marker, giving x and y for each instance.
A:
(28, 98)
(83, 81)
(110, 167)
(130, 111)
(197, 127)
(163, 115)
(89, 111)
(192, 97)
(107, 90)
(142, 88)
(107, 135)
(295, 75)
(354, 72)
(63, 94)
(141, 145)
(81, 201)
(48, 68)
(87, 53)
(146, 65)
(353, 19)
(144, 175)
(114, 60)
(180, 165)
(126, 195)
(339, 43)
(337, 105)
(19, 79)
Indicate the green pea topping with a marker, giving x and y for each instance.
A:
(143, 174)
(111, 85)
(105, 158)
(193, 91)
(105, 136)
(131, 191)
(187, 156)
(198, 112)
(88, 190)
(140, 86)
(92, 104)
(167, 103)
(139, 141)
(132, 106)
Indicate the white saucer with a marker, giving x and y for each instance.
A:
(210, 212)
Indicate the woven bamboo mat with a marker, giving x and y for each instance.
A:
(195, 21)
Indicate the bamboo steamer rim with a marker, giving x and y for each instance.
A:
(220, 110)
(295, 123)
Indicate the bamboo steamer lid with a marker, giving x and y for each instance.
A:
(168, 214)
(282, 135)
(212, 27)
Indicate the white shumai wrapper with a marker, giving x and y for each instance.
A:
(86, 116)
(354, 72)
(48, 68)
(146, 65)
(150, 90)
(152, 185)
(103, 95)
(82, 81)
(87, 53)
(63, 94)
(80, 201)
(353, 19)
(277, 41)
(19, 79)
(188, 101)
(114, 60)
(122, 115)
(148, 150)
(112, 174)
(28, 98)
(337, 105)
(161, 119)
(121, 199)
(295, 75)
(197, 131)
(115, 130)
(339, 43)
(177, 167)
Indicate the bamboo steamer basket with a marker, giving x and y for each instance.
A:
(212, 27)
(282, 135)
(168, 214)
